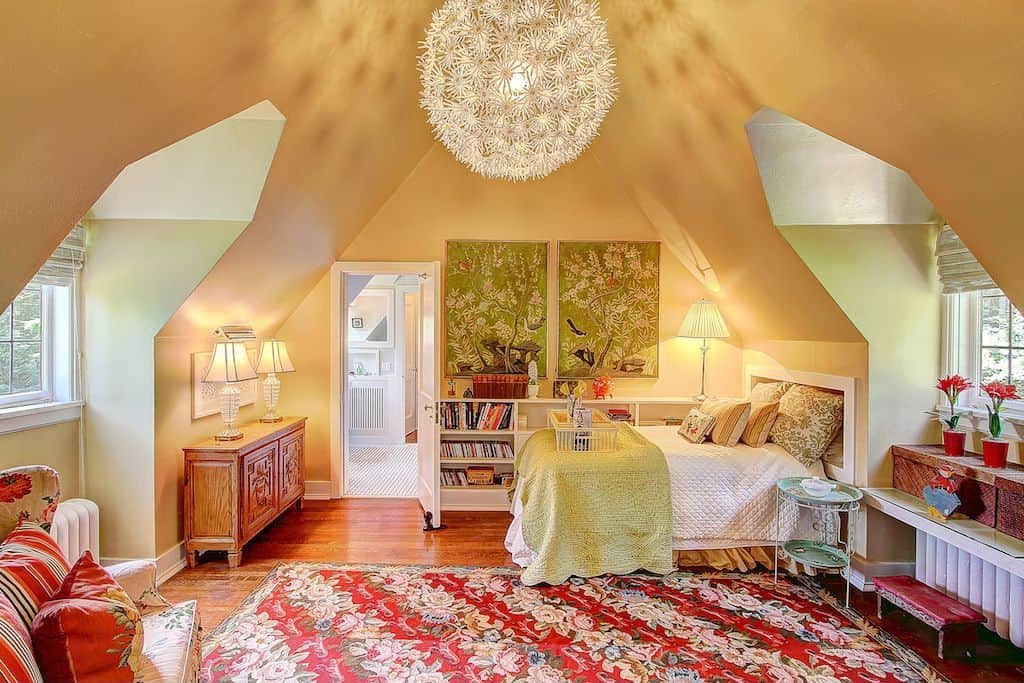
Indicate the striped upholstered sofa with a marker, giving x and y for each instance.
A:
(171, 646)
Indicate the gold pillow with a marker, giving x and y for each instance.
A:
(696, 426)
(769, 392)
(808, 421)
(730, 419)
(762, 419)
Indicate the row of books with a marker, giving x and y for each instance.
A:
(476, 416)
(476, 449)
(474, 476)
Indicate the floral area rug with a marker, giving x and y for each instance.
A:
(331, 622)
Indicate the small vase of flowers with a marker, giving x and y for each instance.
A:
(953, 439)
(602, 387)
(995, 448)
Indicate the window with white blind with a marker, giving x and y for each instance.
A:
(983, 332)
(38, 332)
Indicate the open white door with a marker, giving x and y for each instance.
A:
(428, 431)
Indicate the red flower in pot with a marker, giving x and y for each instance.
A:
(995, 448)
(953, 439)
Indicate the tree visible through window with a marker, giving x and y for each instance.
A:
(21, 344)
(1002, 340)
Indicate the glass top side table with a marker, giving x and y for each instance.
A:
(830, 551)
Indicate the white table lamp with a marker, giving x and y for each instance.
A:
(703, 321)
(229, 366)
(273, 359)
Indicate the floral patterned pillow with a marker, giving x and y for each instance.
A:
(769, 392)
(28, 494)
(808, 421)
(697, 426)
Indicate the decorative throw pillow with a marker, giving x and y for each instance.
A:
(769, 392)
(762, 419)
(731, 417)
(17, 662)
(32, 568)
(808, 421)
(28, 494)
(90, 632)
(696, 426)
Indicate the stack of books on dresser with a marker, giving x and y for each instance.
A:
(476, 416)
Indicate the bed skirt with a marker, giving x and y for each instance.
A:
(736, 559)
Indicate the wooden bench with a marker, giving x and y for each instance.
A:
(938, 610)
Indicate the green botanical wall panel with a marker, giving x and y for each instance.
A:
(495, 304)
(608, 309)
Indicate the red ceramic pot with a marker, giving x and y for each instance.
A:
(994, 452)
(953, 442)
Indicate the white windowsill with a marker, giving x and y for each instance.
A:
(974, 419)
(20, 418)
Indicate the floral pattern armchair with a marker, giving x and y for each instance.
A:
(171, 649)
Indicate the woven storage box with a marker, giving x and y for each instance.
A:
(602, 436)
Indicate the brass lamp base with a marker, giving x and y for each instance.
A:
(271, 418)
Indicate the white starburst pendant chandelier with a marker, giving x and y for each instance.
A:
(516, 88)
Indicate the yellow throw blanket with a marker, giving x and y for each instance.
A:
(586, 514)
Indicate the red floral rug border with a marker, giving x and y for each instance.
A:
(805, 585)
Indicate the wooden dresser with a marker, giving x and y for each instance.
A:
(234, 489)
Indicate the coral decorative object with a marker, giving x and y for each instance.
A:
(994, 449)
(603, 387)
(940, 494)
(953, 440)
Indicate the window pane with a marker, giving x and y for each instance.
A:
(28, 314)
(995, 365)
(28, 367)
(1017, 333)
(5, 368)
(995, 321)
(5, 324)
(1018, 370)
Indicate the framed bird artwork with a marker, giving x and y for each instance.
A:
(495, 307)
(608, 309)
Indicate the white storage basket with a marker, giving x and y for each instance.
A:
(602, 436)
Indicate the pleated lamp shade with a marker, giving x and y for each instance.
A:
(704, 321)
(230, 363)
(274, 358)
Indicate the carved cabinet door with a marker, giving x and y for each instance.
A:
(292, 468)
(259, 490)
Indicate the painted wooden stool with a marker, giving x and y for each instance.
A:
(938, 610)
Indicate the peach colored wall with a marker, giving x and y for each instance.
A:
(55, 445)
(442, 200)
(139, 272)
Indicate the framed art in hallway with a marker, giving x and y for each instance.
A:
(608, 309)
(495, 307)
(206, 395)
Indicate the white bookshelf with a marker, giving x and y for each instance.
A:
(645, 411)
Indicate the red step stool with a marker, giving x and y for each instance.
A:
(931, 606)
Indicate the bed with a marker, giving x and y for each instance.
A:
(723, 497)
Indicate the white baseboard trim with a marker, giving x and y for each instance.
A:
(318, 490)
(863, 571)
(168, 563)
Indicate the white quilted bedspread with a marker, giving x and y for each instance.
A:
(723, 496)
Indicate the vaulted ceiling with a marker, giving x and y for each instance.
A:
(933, 88)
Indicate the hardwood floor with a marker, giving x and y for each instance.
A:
(383, 531)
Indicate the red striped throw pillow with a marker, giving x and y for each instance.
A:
(17, 662)
(32, 568)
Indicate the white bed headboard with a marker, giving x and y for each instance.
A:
(840, 464)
